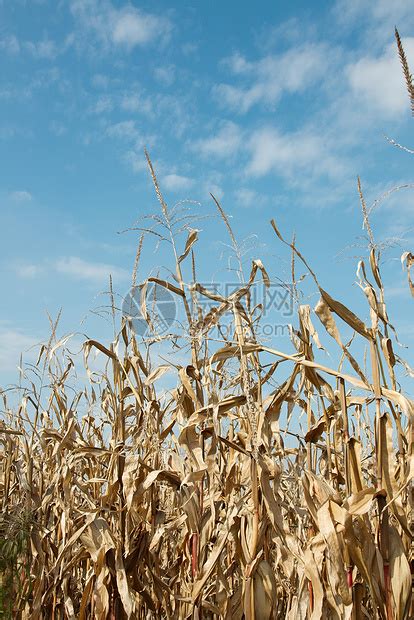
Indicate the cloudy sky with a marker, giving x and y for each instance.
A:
(273, 107)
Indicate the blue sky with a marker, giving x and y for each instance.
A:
(273, 107)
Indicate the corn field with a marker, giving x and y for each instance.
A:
(123, 499)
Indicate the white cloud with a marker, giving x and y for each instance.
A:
(224, 143)
(57, 128)
(27, 270)
(291, 154)
(136, 161)
(294, 30)
(100, 81)
(213, 188)
(46, 49)
(135, 102)
(165, 75)
(133, 27)
(190, 48)
(8, 131)
(176, 182)
(249, 198)
(74, 266)
(20, 196)
(10, 44)
(39, 80)
(104, 104)
(125, 27)
(267, 79)
(92, 272)
(380, 16)
(379, 81)
(15, 342)
(125, 130)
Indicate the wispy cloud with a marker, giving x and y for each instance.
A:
(20, 196)
(176, 182)
(9, 131)
(133, 27)
(378, 80)
(249, 198)
(27, 270)
(135, 160)
(10, 44)
(14, 342)
(137, 102)
(100, 81)
(268, 79)
(43, 49)
(38, 80)
(165, 75)
(128, 135)
(57, 128)
(72, 266)
(125, 27)
(103, 105)
(377, 17)
(80, 269)
(291, 154)
(213, 188)
(46, 49)
(223, 143)
(125, 130)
